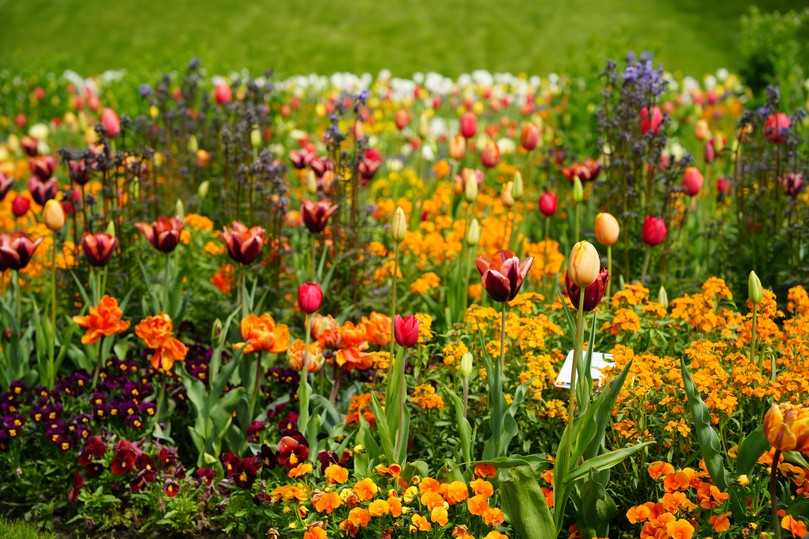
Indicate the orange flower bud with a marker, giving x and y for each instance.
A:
(606, 229)
(584, 264)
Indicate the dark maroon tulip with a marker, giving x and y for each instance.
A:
(42, 191)
(320, 165)
(78, 171)
(547, 203)
(776, 127)
(300, 158)
(310, 297)
(592, 294)
(42, 166)
(30, 146)
(654, 231)
(503, 276)
(98, 247)
(16, 250)
(406, 330)
(244, 244)
(163, 234)
(5, 185)
(316, 214)
(370, 163)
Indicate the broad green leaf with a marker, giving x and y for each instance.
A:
(524, 504)
(605, 461)
(751, 448)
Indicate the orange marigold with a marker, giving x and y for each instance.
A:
(262, 334)
(103, 320)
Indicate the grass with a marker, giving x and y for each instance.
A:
(450, 36)
(20, 530)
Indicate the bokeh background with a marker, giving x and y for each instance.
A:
(324, 36)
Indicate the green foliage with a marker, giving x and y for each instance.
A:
(21, 530)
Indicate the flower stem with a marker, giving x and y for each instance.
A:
(577, 353)
(393, 286)
(499, 410)
(609, 271)
(303, 383)
(256, 387)
(774, 494)
(754, 335)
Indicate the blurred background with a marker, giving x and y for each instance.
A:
(324, 36)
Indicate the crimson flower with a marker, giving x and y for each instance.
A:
(316, 214)
(370, 163)
(547, 203)
(244, 244)
(310, 297)
(654, 231)
(125, 458)
(163, 234)
(406, 330)
(776, 127)
(592, 294)
(503, 275)
(98, 247)
(16, 250)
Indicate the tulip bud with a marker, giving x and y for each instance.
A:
(663, 298)
(547, 203)
(457, 147)
(111, 229)
(179, 209)
(202, 190)
(466, 364)
(473, 234)
(578, 190)
(216, 330)
(255, 137)
(517, 189)
(311, 182)
(584, 264)
(470, 185)
(507, 195)
(398, 227)
(310, 297)
(20, 205)
(754, 290)
(193, 145)
(406, 330)
(606, 229)
(54, 215)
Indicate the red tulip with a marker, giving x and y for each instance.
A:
(529, 138)
(777, 127)
(42, 191)
(5, 185)
(98, 247)
(16, 250)
(163, 234)
(503, 276)
(30, 146)
(692, 181)
(20, 205)
(468, 125)
(586, 171)
(320, 166)
(316, 214)
(310, 297)
(20, 120)
(370, 163)
(547, 203)
(650, 122)
(654, 231)
(222, 93)
(490, 155)
(244, 244)
(592, 294)
(723, 186)
(710, 151)
(406, 330)
(110, 123)
(402, 119)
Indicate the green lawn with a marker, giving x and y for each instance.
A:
(450, 36)
(20, 530)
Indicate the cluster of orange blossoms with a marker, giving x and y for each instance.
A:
(157, 332)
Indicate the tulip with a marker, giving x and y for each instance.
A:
(723, 186)
(243, 244)
(110, 123)
(222, 93)
(42, 191)
(42, 167)
(507, 195)
(584, 264)
(163, 234)
(517, 189)
(692, 181)
(255, 137)
(457, 147)
(300, 158)
(202, 190)
(473, 234)
(710, 152)
(654, 231)
(578, 190)
(490, 155)
(793, 184)
(310, 297)
(398, 227)
(466, 364)
(650, 122)
(776, 127)
(593, 293)
(470, 184)
(30, 146)
(406, 330)
(77, 170)
(547, 203)
(20, 205)
(701, 130)
(5, 185)
(754, 290)
(316, 214)
(503, 275)
(16, 250)
(98, 247)
(663, 297)
(468, 125)
(529, 138)
(606, 229)
(53, 215)
(402, 119)
(370, 163)
(787, 427)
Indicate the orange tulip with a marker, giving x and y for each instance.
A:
(262, 334)
(157, 332)
(103, 320)
(787, 427)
